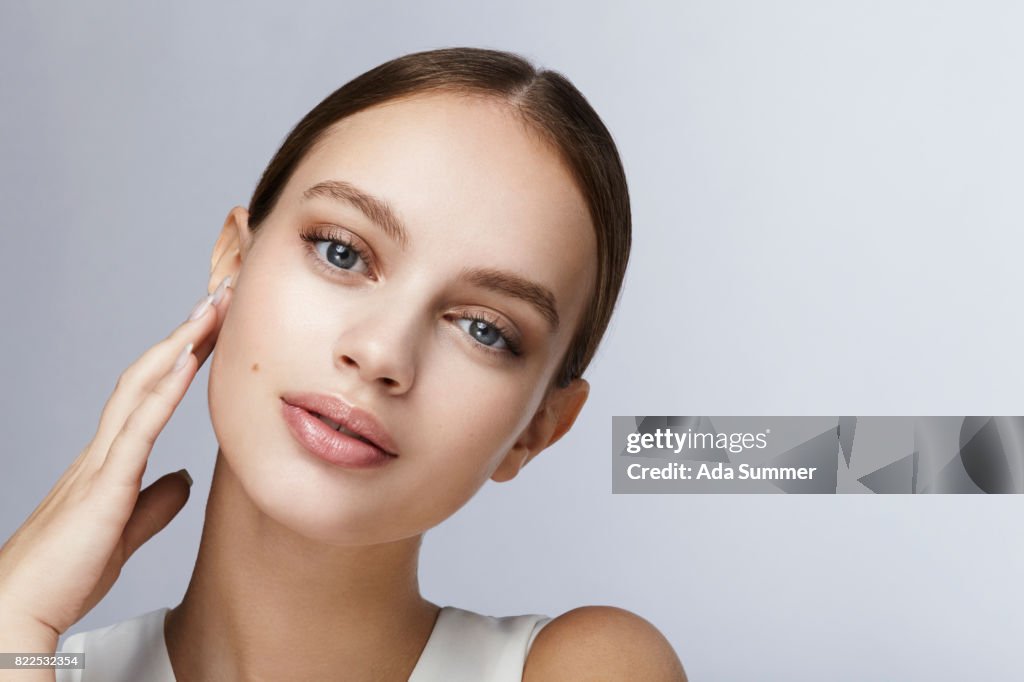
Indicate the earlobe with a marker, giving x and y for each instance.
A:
(512, 464)
(553, 420)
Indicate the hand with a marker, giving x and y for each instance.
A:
(69, 552)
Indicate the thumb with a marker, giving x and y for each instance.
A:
(154, 509)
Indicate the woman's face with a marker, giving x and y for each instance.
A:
(390, 330)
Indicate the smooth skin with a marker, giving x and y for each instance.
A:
(305, 568)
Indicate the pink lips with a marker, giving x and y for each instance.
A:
(352, 418)
(331, 445)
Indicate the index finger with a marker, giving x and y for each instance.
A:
(138, 380)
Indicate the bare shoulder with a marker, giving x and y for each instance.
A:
(601, 643)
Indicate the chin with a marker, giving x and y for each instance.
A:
(289, 490)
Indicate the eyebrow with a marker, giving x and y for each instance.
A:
(509, 283)
(376, 209)
(381, 214)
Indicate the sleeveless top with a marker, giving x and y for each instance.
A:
(463, 647)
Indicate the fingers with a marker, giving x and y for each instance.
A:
(126, 459)
(156, 506)
(141, 376)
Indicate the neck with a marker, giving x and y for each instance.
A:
(267, 603)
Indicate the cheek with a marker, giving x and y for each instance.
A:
(462, 435)
(256, 342)
(228, 382)
(471, 425)
(246, 360)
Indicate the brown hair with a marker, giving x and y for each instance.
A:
(546, 102)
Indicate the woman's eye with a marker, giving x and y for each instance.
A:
(484, 332)
(341, 255)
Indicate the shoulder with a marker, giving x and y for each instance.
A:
(601, 642)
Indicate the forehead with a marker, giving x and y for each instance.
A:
(465, 171)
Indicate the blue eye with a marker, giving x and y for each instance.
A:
(339, 251)
(344, 256)
(483, 332)
(489, 334)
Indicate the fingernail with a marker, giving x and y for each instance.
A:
(184, 474)
(200, 308)
(219, 293)
(182, 357)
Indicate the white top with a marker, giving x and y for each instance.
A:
(463, 647)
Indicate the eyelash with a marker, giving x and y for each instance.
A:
(313, 235)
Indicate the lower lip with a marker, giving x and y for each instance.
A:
(330, 445)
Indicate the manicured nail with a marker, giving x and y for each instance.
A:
(184, 474)
(200, 308)
(182, 357)
(219, 293)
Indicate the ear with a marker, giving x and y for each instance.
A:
(552, 420)
(234, 242)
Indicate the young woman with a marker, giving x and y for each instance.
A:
(403, 312)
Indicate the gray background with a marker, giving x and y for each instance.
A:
(827, 215)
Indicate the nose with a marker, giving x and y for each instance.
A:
(379, 345)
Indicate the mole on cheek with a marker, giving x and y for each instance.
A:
(255, 366)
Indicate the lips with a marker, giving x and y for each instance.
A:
(334, 447)
(336, 413)
(341, 429)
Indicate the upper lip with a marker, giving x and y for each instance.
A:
(352, 418)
